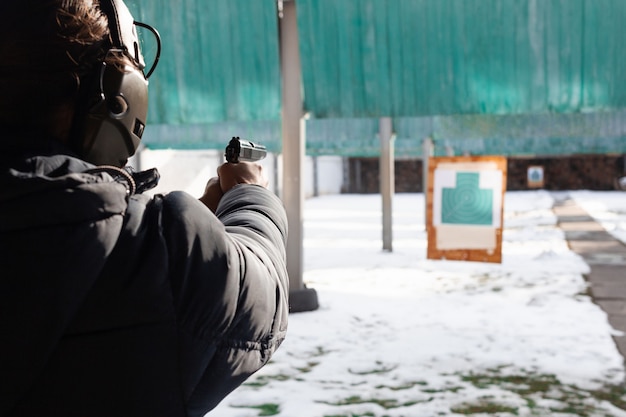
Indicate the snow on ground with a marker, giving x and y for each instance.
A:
(399, 335)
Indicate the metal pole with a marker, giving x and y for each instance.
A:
(301, 298)
(387, 179)
(316, 182)
(427, 152)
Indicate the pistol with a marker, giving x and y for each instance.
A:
(239, 150)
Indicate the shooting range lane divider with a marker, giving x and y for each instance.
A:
(606, 257)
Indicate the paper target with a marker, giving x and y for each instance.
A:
(467, 203)
(465, 208)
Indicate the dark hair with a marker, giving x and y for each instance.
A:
(47, 47)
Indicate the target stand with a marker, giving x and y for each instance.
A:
(464, 208)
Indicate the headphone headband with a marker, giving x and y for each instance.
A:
(123, 30)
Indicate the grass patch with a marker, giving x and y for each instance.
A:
(308, 368)
(483, 407)
(263, 380)
(402, 387)
(384, 403)
(453, 389)
(533, 388)
(533, 394)
(380, 369)
(520, 384)
(615, 395)
(320, 351)
(264, 409)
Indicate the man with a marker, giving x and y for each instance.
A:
(113, 303)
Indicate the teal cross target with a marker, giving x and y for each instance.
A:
(467, 203)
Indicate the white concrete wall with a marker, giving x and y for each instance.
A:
(190, 170)
(323, 175)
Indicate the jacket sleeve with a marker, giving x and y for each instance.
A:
(230, 288)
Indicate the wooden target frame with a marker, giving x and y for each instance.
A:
(471, 242)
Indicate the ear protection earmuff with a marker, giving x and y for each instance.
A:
(112, 123)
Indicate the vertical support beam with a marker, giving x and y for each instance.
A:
(347, 185)
(277, 185)
(358, 178)
(427, 151)
(316, 181)
(301, 298)
(387, 179)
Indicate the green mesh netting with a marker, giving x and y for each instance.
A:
(509, 135)
(220, 60)
(530, 77)
(372, 58)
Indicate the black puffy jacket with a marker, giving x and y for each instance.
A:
(113, 303)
